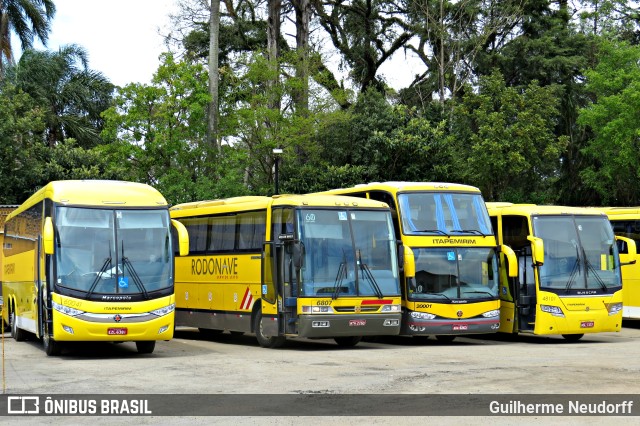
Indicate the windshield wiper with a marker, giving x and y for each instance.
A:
(470, 231)
(592, 269)
(136, 279)
(478, 292)
(437, 294)
(105, 265)
(341, 275)
(366, 272)
(574, 271)
(437, 231)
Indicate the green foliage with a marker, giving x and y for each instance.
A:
(20, 124)
(614, 121)
(504, 141)
(158, 136)
(70, 94)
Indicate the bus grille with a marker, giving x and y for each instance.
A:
(352, 309)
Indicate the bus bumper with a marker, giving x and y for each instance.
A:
(349, 325)
(579, 322)
(422, 327)
(67, 328)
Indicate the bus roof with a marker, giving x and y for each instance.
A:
(621, 212)
(398, 186)
(535, 209)
(111, 193)
(260, 202)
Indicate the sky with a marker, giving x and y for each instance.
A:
(123, 39)
(120, 36)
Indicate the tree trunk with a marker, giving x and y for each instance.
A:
(214, 75)
(301, 95)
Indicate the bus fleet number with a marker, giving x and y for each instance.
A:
(323, 302)
(423, 305)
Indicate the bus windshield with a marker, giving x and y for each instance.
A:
(348, 252)
(579, 253)
(107, 251)
(443, 213)
(455, 273)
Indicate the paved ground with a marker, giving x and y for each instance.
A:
(607, 363)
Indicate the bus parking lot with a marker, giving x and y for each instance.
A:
(606, 363)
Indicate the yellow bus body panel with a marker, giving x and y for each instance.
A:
(99, 317)
(630, 273)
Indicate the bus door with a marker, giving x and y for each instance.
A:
(525, 291)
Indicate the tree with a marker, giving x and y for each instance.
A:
(21, 123)
(157, 135)
(612, 118)
(504, 142)
(28, 19)
(367, 34)
(72, 96)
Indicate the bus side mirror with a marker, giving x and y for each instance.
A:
(47, 236)
(628, 258)
(297, 254)
(409, 262)
(183, 237)
(512, 261)
(537, 248)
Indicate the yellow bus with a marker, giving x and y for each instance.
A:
(446, 233)
(289, 265)
(626, 223)
(90, 261)
(568, 280)
(4, 212)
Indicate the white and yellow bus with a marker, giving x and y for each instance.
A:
(90, 261)
(626, 223)
(569, 280)
(289, 265)
(447, 237)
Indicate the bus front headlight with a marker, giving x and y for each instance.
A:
(614, 308)
(422, 315)
(553, 310)
(164, 310)
(492, 314)
(66, 309)
(390, 308)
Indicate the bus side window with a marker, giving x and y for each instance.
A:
(622, 247)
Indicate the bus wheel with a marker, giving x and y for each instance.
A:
(266, 341)
(347, 341)
(445, 338)
(17, 333)
(572, 337)
(146, 347)
(51, 347)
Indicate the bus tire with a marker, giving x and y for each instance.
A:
(572, 337)
(51, 347)
(17, 333)
(265, 341)
(146, 346)
(445, 338)
(347, 341)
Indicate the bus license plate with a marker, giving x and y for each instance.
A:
(117, 331)
(459, 327)
(587, 324)
(357, 323)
